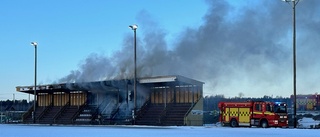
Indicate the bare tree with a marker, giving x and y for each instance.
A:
(241, 94)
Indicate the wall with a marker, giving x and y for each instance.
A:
(75, 98)
(195, 116)
(178, 94)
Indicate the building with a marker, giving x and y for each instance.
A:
(162, 100)
(307, 102)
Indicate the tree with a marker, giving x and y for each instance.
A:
(241, 95)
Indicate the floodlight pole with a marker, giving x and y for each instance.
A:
(35, 44)
(134, 28)
(294, 4)
(294, 62)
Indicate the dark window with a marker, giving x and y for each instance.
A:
(258, 107)
(269, 107)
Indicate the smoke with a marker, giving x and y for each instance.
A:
(245, 50)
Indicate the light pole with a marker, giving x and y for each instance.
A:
(134, 27)
(1, 112)
(35, 44)
(294, 4)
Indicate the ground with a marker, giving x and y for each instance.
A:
(16, 130)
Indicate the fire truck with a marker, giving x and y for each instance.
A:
(254, 113)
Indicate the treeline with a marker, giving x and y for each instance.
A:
(15, 105)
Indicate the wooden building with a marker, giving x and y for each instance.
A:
(163, 100)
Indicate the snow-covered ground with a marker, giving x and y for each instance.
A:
(12, 130)
(308, 123)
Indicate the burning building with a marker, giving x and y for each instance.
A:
(162, 100)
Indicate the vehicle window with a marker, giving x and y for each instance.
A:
(269, 107)
(280, 108)
(258, 107)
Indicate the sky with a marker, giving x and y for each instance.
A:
(232, 46)
(13, 130)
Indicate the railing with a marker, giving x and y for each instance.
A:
(164, 112)
(162, 116)
(45, 111)
(105, 107)
(94, 114)
(115, 112)
(96, 111)
(81, 108)
(190, 109)
(60, 112)
(143, 108)
(27, 114)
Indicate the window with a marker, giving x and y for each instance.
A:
(269, 107)
(258, 107)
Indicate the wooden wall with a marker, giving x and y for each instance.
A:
(75, 98)
(177, 94)
(44, 99)
(78, 98)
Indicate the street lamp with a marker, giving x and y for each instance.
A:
(134, 27)
(294, 4)
(35, 44)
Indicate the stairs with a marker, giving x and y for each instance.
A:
(48, 117)
(175, 115)
(108, 119)
(151, 115)
(28, 119)
(68, 115)
(157, 114)
(86, 116)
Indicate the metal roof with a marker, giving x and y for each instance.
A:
(169, 79)
(109, 85)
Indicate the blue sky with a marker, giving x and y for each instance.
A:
(69, 31)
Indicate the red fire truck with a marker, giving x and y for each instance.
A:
(254, 113)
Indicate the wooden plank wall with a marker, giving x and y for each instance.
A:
(44, 99)
(178, 94)
(61, 98)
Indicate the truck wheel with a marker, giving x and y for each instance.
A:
(233, 123)
(264, 124)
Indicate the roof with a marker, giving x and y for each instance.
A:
(169, 79)
(109, 85)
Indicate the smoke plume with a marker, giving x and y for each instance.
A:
(246, 50)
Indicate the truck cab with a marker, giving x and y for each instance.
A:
(269, 114)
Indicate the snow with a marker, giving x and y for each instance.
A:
(308, 123)
(16, 130)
